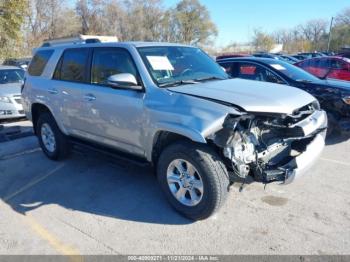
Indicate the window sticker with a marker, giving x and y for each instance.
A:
(160, 63)
(278, 67)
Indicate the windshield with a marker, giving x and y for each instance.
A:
(11, 76)
(180, 65)
(292, 71)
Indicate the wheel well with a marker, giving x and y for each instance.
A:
(36, 110)
(162, 140)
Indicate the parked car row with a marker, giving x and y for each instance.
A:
(323, 65)
(334, 96)
(332, 67)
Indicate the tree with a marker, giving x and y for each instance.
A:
(262, 41)
(149, 15)
(313, 31)
(11, 20)
(192, 23)
(48, 19)
(344, 17)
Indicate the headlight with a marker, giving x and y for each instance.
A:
(346, 100)
(5, 99)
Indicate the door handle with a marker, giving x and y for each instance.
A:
(52, 91)
(89, 97)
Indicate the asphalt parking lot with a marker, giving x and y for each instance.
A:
(91, 204)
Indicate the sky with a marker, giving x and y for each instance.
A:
(236, 19)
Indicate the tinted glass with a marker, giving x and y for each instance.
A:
(322, 63)
(168, 64)
(253, 71)
(338, 64)
(73, 66)
(39, 62)
(292, 71)
(110, 61)
(11, 76)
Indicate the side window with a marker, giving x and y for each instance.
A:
(257, 72)
(305, 64)
(39, 62)
(72, 65)
(338, 64)
(322, 63)
(110, 61)
(230, 68)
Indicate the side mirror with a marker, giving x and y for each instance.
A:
(123, 80)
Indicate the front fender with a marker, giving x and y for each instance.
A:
(188, 116)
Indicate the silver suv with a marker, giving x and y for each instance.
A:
(172, 106)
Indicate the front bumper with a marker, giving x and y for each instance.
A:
(11, 110)
(314, 128)
(303, 162)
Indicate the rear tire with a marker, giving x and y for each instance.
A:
(53, 142)
(203, 168)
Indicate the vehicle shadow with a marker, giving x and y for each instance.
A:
(10, 129)
(91, 183)
(336, 139)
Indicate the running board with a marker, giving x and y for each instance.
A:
(132, 159)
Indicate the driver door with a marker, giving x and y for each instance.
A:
(114, 116)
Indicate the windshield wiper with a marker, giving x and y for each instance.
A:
(179, 82)
(209, 78)
(304, 80)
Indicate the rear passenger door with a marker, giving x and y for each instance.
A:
(113, 116)
(70, 80)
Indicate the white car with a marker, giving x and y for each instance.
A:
(11, 81)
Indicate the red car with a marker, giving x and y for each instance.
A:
(327, 67)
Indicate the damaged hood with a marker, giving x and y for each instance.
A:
(252, 96)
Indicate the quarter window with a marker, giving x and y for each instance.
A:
(73, 67)
(39, 62)
(110, 61)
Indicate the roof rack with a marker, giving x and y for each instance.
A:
(80, 39)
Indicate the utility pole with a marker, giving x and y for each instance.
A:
(330, 34)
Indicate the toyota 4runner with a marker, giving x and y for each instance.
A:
(172, 106)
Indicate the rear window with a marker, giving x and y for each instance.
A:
(39, 62)
(72, 66)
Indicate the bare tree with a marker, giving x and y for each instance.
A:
(344, 17)
(48, 19)
(262, 41)
(313, 31)
(192, 23)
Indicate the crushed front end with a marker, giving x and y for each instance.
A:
(273, 147)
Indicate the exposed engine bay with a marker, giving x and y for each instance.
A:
(264, 145)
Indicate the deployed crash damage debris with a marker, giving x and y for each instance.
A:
(267, 146)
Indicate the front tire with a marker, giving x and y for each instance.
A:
(193, 178)
(52, 141)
